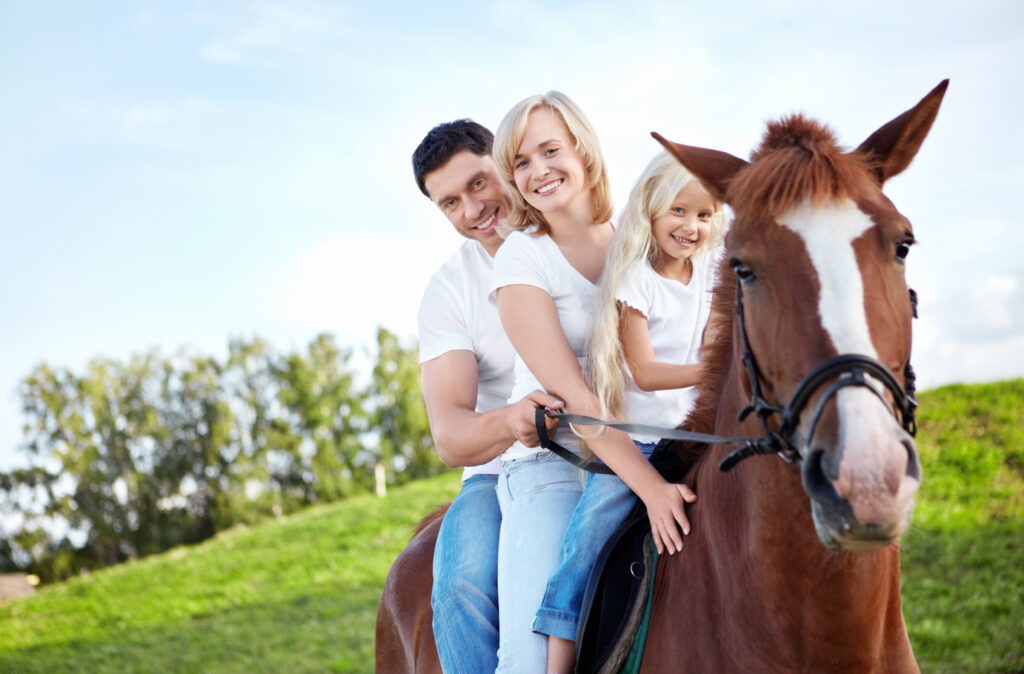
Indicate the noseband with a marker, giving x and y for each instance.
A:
(851, 369)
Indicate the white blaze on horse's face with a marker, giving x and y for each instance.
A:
(871, 449)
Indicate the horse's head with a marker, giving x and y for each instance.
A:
(818, 251)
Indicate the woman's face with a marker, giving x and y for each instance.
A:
(548, 170)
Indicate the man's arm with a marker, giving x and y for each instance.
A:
(464, 437)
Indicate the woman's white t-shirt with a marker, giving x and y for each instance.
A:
(455, 314)
(527, 259)
(676, 315)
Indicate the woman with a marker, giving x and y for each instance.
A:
(545, 286)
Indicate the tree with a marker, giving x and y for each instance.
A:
(399, 413)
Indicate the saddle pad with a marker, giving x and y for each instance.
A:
(616, 602)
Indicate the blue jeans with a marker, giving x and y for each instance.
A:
(537, 495)
(605, 504)
(465, 594)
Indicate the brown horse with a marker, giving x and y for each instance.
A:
(789, 566)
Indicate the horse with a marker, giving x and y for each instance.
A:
(792, 561)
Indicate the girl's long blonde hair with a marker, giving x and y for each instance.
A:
(652, 196)
(509, 136)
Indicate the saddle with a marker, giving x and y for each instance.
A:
(616, 604)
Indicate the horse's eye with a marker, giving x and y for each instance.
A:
(743, 272)
(903, 249)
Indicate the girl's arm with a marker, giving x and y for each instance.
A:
(649, 374)
(531, 322)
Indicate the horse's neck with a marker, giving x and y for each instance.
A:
(764, 564)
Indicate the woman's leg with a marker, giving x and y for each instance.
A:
(465, 592)
(537, 497)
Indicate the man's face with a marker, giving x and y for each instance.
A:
(472, 196)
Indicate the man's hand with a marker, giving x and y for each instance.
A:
(521, 416)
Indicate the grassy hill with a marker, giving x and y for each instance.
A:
(300, 594)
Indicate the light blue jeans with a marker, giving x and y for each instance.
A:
(465, 593)
(537, 495)
(604, 505)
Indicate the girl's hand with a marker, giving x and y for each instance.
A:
(665, 509)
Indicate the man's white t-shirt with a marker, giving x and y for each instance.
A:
(455, 314)
(676, 315)
(526, 259)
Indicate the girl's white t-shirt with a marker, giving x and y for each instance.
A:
(527, 259)
(455, 314)
(676, 315)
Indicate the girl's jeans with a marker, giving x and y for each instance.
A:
(605, 504)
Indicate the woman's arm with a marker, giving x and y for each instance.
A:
(649, 374)
(531, 322)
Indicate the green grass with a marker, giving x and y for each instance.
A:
(300, 594)
(295, 595)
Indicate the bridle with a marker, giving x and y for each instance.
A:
(851, 369)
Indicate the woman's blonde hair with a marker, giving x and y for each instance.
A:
(510, 135)
(651, 197)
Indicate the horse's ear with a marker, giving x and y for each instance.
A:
(713, 168)
(893, 147)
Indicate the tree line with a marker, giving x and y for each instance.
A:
(130, 458)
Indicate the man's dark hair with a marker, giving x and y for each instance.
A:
(446, 140)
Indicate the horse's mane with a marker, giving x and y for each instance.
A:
(798, 159)
(716, 354)
(436, 513)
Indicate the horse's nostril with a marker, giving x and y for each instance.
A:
(816, 483)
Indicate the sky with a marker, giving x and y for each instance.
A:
(175, 175)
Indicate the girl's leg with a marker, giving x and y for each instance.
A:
(537, 497)
(604, 505)
(465, 592)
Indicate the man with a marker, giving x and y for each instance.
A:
(466, 362)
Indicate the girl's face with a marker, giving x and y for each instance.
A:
(548, 170)
(680, 230)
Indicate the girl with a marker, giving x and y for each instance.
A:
(544, 283)
(654, 303)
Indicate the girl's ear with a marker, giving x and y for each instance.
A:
(713, 168)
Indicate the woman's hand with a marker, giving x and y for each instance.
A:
(666, 511)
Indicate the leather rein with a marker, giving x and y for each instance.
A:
(851, 369)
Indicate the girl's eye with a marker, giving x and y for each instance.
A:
(678, 210)
(705, 216)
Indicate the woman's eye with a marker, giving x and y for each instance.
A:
(550, 151)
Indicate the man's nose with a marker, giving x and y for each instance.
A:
(474, 207)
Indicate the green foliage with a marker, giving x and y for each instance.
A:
(134, 458)
(300, 594)
(401, 416)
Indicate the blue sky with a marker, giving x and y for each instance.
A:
(177, 174)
